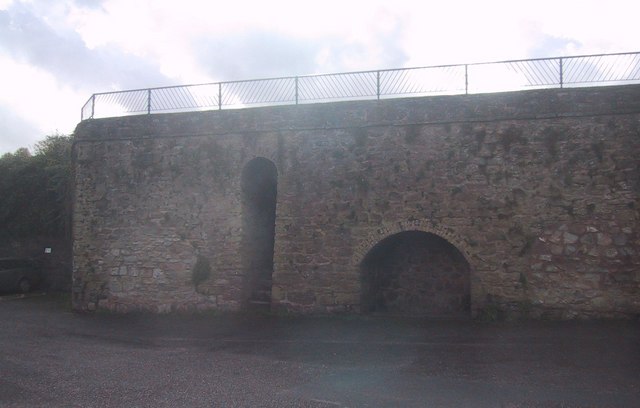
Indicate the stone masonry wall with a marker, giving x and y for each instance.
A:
(538, 190)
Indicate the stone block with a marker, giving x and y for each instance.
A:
(570, 238)
(620, 239)
(611, 253)
(557, 249)
(604, 239)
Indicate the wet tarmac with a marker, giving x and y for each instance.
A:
(50, 356)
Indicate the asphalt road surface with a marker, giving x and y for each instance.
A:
(52, 357)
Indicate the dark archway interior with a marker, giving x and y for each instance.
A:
(415, 273)
(259, 191)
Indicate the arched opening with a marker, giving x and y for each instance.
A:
(415, 273)
(259, 190)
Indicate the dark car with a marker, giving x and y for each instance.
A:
(18, 275)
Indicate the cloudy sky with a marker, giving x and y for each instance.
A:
(55, 53)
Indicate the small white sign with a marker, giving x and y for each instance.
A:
(47, 250)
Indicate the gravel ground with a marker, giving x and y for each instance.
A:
(51, 357)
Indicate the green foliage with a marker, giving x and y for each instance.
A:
(201, 271)
(35, 189)
(490, 313)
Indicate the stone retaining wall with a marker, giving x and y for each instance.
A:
(538, 191)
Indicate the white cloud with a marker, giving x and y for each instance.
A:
(36, 95)
(171, 35)
(16, 131)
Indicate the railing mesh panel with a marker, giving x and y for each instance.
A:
(514, 75)
(120, 103)
(422, 81)
(354, 85)
(184, 97)
(619, 68)
(258, 92)
(87, 109)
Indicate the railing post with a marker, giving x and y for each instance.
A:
(378, 84)
(149, 101)
(561, 73)
(296, 85)
(219, 95)
(93, 105)
(466, 79)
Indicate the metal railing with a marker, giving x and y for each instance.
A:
(584, 70)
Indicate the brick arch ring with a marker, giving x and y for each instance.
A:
(388, 229)
(264, 152)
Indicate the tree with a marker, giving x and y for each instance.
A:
(54, 155)
(35, 189)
